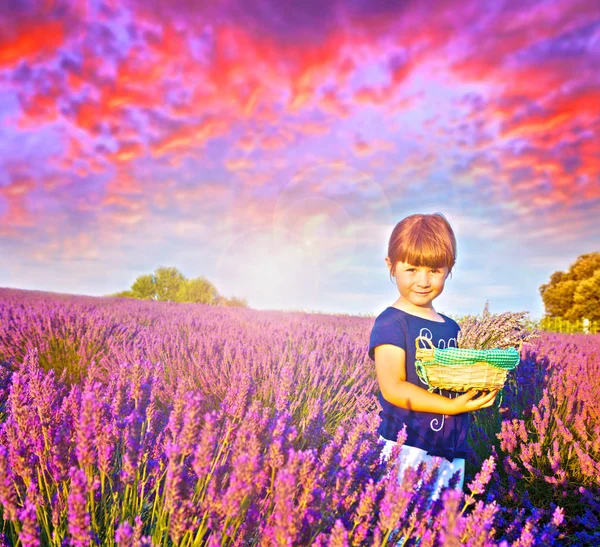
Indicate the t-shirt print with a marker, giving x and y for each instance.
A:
(436, 424)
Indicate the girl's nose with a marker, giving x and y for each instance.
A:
(424, 279)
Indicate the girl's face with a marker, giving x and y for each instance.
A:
(419, 285)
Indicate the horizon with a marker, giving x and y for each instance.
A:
(290, 310)
(272, 149)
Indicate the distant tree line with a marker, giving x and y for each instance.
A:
(168, 284)
(574, 295)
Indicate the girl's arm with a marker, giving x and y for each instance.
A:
(390, 364)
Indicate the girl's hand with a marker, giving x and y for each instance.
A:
(466, 402)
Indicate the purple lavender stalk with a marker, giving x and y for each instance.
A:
(78, 515)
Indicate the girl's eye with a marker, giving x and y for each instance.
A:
(433, 270)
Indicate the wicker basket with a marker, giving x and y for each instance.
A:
(462, 372)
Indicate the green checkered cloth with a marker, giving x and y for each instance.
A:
(506, 359)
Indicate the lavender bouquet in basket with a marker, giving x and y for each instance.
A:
(494, 330)
(488, 347)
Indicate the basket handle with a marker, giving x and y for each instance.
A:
(421, 371)
(426, 340)
(422, 374)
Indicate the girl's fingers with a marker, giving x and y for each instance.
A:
(468, 395)
(467, 401)
(490, 398)
(485, 400)
(489, 403)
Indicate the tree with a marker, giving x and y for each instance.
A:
(123, 294)
(168, 282)
(198, 290)
(587, 299)
(585, 266)
(237, 302)
(558, 299)
(572, 294)
(144, 287)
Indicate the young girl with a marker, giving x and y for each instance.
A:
(421, 254)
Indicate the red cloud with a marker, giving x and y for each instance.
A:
(238, 164)
(260, 79)
(128, 152)
(363, 148)
(124, 182)
(189, 136)
(29, 40)
(15, 194)
(370, 95)
(550, 104)
(39, 109)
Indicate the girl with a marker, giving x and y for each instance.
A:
(421, 255)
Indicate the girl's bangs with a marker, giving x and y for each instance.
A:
(427, 253)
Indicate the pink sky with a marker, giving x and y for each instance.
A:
(272, 145)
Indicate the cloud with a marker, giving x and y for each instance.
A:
(548, 120)
(189, 137)
(30, 40)
(322, 122)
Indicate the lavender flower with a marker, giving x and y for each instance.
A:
(339, 535)
(526, 539)
(502, 331)
(178, 487)
(449, 521)
(207, 443)
(477, 486)
(285, 520)
(86, 435)
(106, 443)
(363, 515)
(182, 389)
(8, 495)
(396, 499)
(133, 445)
(79, 517)
(558, 516)
(124, 535)
(30, 531)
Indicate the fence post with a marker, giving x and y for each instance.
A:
(586, 326)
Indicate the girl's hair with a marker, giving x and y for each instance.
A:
(423, 240)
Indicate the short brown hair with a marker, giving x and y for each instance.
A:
(423, 240)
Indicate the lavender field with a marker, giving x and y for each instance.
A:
(147, 423)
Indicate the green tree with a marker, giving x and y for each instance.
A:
(144, 287)
(587, 299)
(572, 294)
(558, 298)
(237, 302)
(168, 282)
(198, 290)
(585, 266)
(123, 294)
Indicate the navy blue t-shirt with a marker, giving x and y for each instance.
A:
(438, 434)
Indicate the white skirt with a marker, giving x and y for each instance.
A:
(411, 456)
